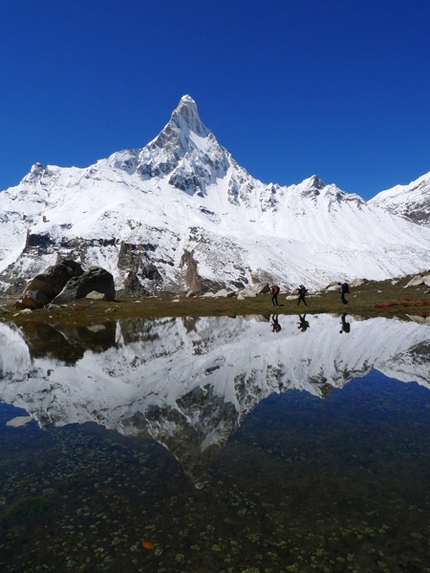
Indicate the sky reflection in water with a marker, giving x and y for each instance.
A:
(257, 475)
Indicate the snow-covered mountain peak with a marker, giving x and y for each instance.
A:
(184, 155)
(180, 214)
(314, 188)
(419, 187)
(184, 125)
(35, 174)
(310, 187)
(187, 100)
(410, 201)
(313, 183)
(185, 152)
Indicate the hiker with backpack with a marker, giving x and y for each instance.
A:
(274, 291)
(344, 289)
(302, 290)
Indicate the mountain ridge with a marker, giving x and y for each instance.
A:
(180, 214)
(410, 201)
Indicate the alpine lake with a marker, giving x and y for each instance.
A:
(216, 445)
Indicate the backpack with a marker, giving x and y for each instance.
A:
(275, 289)
(345, 287)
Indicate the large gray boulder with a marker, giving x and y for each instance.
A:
(95, 279)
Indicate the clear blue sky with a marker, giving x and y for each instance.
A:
(292, 88)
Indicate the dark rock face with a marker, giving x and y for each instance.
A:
(133, 287)
(44, 287)
(192, 278)
(95, 279)
(40, 241)
(142, 271)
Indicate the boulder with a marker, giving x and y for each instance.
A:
(261, 288)
(95, 279)
(224, 293)
(221, 293)
(41, 290)
(247, 293)
(95, 295)
(415, 281)
(358, 282)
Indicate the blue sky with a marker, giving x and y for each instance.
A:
(292, 88)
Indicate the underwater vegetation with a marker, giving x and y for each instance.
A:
(28, 506)
(304, 484)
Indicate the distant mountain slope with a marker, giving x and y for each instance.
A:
(410, 201)
(180, 214)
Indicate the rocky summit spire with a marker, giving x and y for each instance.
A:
(187, 102)
(186, 117)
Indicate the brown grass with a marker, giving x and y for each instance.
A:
(372, 299)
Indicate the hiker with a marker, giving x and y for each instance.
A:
(303, 324)
(302, 290)
(346, 327)
(276, 327)
(274, 291)
(344, 288)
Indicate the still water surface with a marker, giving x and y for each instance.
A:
(216, 446)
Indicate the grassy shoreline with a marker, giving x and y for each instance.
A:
(388, 299)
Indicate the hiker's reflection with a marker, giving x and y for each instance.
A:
(346, 327)
(303, 324)
(276, 327)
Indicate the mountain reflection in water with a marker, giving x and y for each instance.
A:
(189, 383)
(286, 481)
